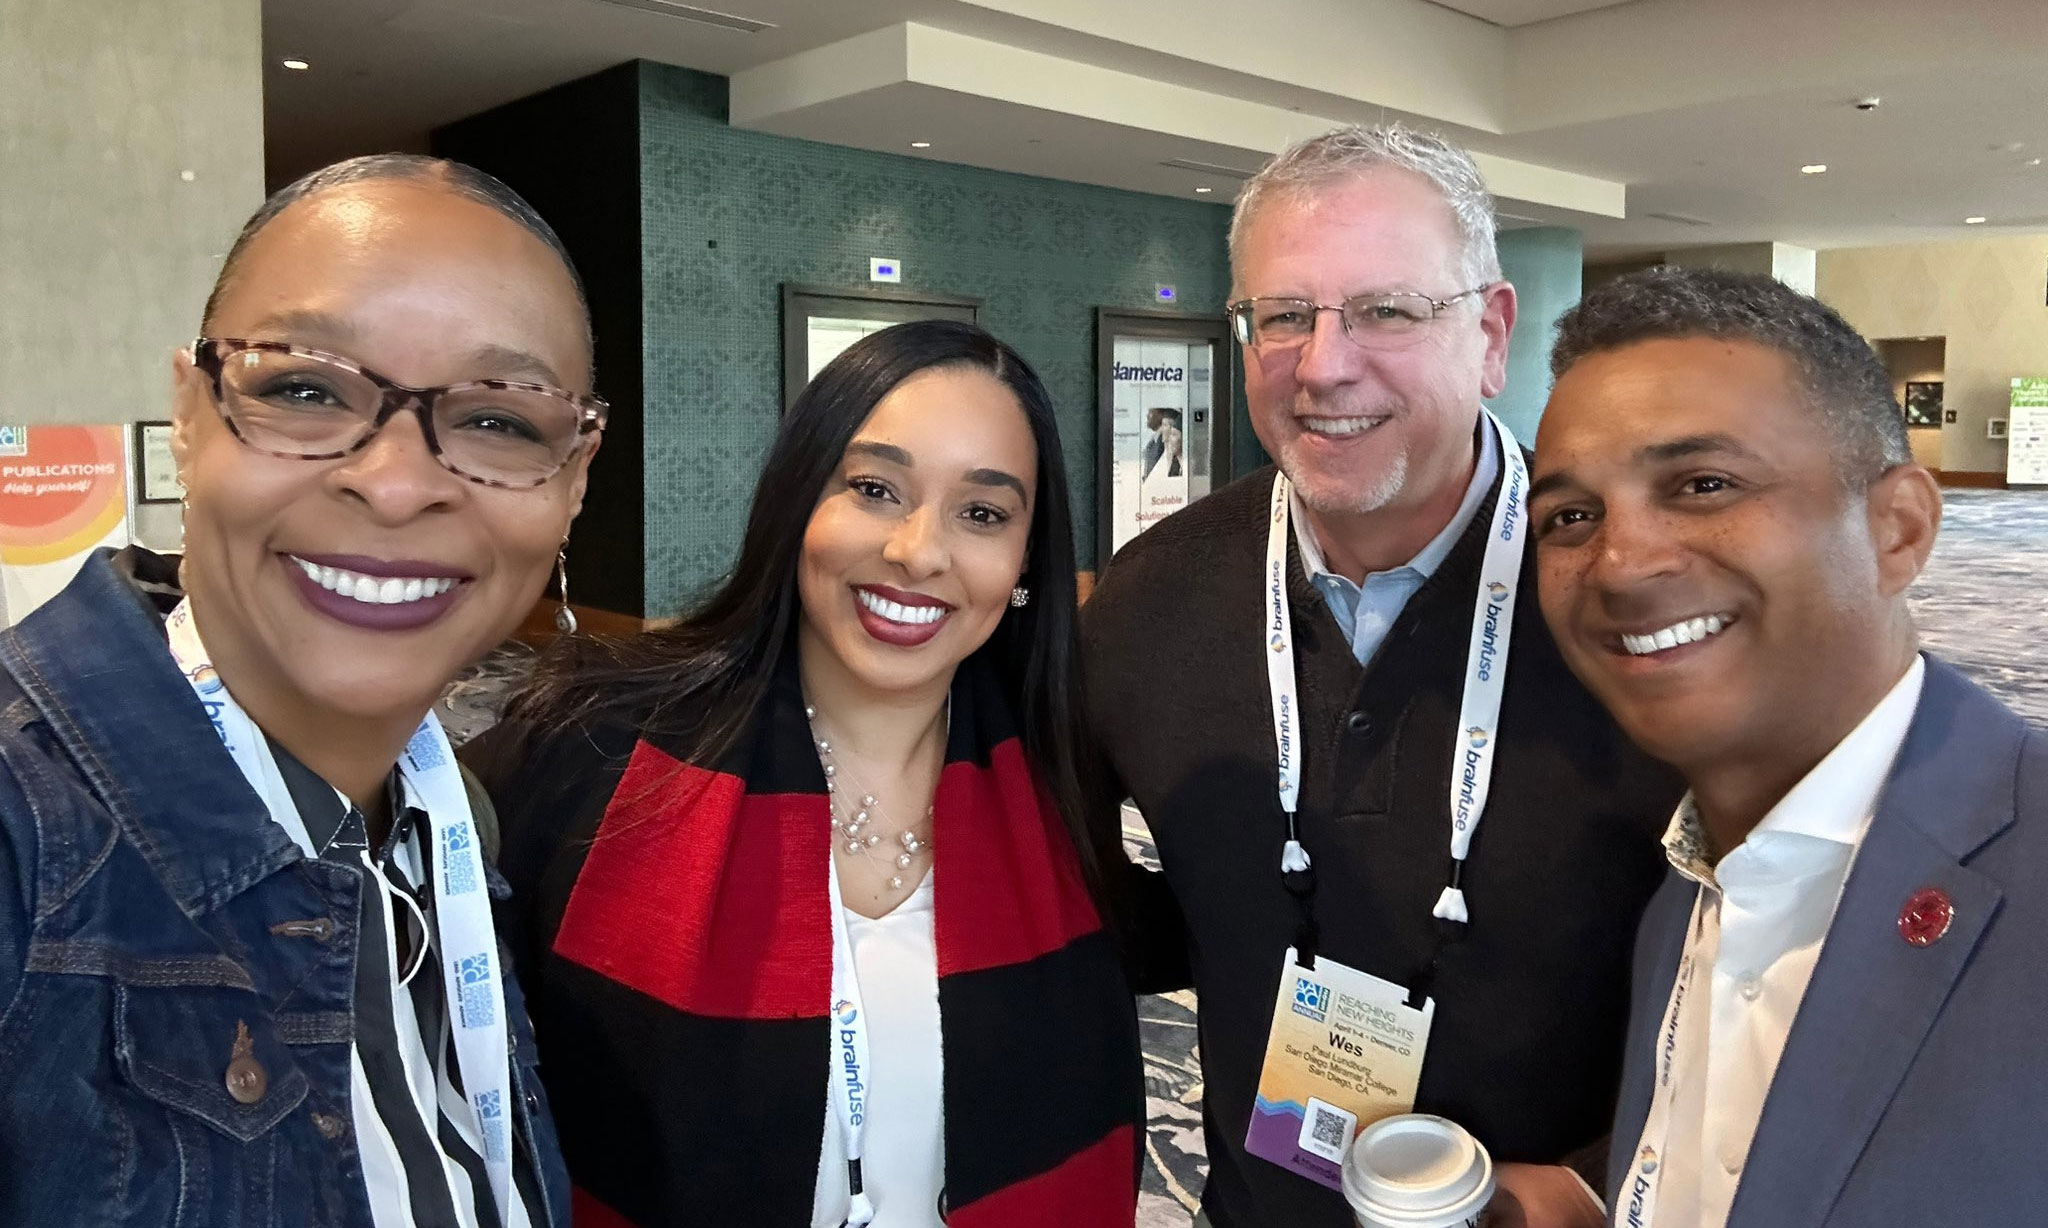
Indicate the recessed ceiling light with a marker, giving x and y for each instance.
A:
(920, 144)
(297, 65)
(1973, 221)
(1205, 190)
(1814, 168)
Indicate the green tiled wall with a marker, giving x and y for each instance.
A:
(727, 216)
(1547, 265)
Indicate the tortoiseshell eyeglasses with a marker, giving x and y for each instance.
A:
(290, 401)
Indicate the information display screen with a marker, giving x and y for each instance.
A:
(2026, 440)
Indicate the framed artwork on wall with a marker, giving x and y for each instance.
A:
(820, 321)
(1923, 402)
(156, 470)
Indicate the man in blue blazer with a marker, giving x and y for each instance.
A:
(1842, 987)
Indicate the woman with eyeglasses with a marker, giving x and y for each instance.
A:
(803, 886)
(248, 974)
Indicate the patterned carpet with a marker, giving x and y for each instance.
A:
(1981, 602)
(1980, 605)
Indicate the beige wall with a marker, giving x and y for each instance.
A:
(1792, 265)
(1912, 360)
(131, 148)
(1985, 296)
(1915, 360)
(1599, 273)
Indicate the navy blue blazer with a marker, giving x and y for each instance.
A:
(1914, 1084)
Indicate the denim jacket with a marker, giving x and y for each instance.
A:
(156, 927)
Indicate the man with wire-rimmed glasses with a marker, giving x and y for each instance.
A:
(1389, 818)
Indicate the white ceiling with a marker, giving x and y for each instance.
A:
(1526, 12)
(1700, 109)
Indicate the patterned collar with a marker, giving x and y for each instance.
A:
(1685, 845)
(1834, 801)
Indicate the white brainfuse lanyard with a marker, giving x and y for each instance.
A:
(849, 1048)
(1638, 1198)
(1486, 668)
(469, 947)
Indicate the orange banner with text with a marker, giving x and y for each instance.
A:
(63, 493)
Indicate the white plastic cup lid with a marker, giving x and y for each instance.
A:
(1417, 1171)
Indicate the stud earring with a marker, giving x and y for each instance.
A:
(565, 618)
(1020, 597)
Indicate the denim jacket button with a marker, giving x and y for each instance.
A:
(329, 1126)
(247, 1080)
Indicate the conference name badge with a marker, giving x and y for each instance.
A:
(1344, 1051)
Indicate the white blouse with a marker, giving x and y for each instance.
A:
(903, 1168)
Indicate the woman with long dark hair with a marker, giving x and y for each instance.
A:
(807, 902)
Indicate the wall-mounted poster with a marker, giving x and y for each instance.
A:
(63, 494)
(820, 322)
(1923, 402)
(829, 336)
(2026, 433)
(1165, 435)
(1157, 385)
(156, 467)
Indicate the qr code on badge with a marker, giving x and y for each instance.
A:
(1326, 1130)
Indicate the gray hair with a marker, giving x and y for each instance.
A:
(1844, 381)
(1355, 150)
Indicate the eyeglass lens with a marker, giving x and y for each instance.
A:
(297, 405)
(1280, 321)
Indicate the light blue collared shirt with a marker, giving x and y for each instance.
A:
(1365, 614)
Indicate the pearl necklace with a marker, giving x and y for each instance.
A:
(854, 827)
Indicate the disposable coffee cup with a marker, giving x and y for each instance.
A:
(1417, 1171)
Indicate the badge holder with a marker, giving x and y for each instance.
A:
(1345, 1050)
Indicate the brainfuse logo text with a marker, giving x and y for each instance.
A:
(1468, 776)
(849, 1061)
(1639, 1186)
(1489, 632)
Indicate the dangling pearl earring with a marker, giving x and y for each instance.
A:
(1020, 597)
(565, 618)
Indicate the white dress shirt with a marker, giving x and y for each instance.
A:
(1763, 915)
(903, 1163)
